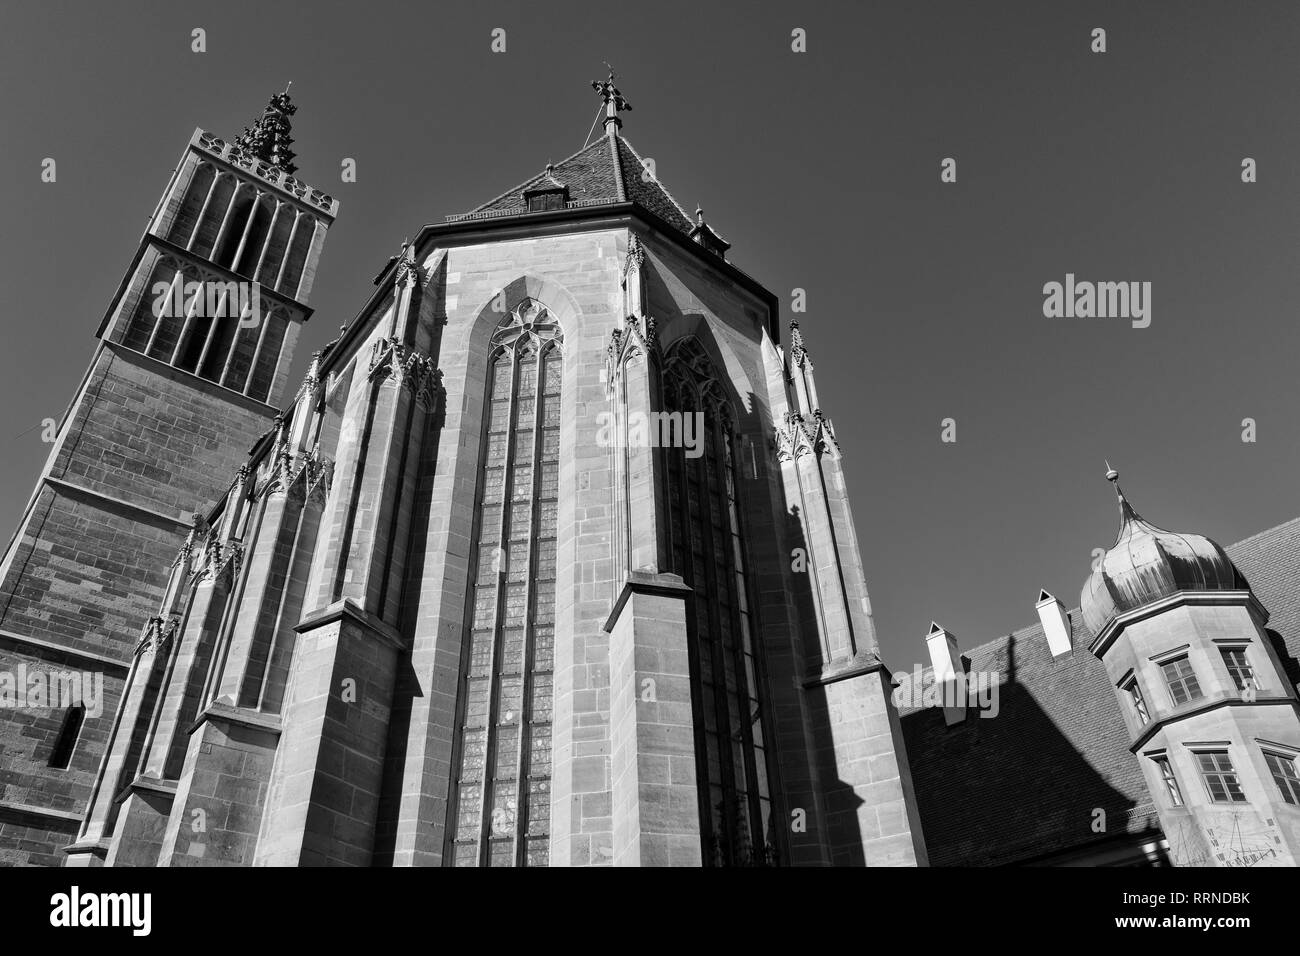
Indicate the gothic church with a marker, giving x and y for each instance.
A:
(444, 603)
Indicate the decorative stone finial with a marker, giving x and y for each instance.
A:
(270, 139)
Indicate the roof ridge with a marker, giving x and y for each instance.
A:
(1260, 534)
(655, 179)
(620, 188)
(528, 182)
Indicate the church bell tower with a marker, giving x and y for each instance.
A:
(190, 362)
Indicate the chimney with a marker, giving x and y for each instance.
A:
(1056, 623)
(944, 656)
(949, 671)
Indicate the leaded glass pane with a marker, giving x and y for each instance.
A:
(540, 709)
(496, 450)
(527, 404)
(493, 483)
(476, 703)
(466, 854)
(551, 413)
(507, 762)
(539, 851)
(543, 652)
(521, 487)
(539, 807)
(473, 756)
(539, 749)
(551, 443)
(471, 806)
(512, 651)
(516, 600)
(504, 809)
(481, 653)
(545, 610)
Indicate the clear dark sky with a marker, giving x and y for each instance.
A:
(822, 168)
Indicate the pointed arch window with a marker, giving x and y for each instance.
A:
(501, 811)
(706, 548)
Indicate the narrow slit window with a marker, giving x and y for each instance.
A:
(1138, 702)
(66, 742)
(1170, 781)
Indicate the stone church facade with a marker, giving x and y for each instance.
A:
(548, 560)
(506, 582)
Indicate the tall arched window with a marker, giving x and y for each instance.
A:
(736, 823)
(501, 799)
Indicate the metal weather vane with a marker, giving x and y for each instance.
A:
(610, 94)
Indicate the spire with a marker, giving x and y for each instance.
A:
(796, 340)
(1126, 513)
(614, 103)
(270, 139)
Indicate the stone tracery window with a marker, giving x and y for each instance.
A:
(500, 808)
(706, 549)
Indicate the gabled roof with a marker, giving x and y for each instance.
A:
(1025, 784)
(608, 171)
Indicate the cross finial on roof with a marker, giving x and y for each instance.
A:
(614, 100)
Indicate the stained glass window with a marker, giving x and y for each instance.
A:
(706, 547)
(503, 762)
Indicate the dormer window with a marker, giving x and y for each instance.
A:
(543, 202)
(705, 236)
(547, 194)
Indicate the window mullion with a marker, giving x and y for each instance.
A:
(487, 805)
(530, 597)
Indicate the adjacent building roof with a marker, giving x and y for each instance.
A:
(1026, 784)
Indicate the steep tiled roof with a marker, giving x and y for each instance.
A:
(1026, 783)
(606, 171)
